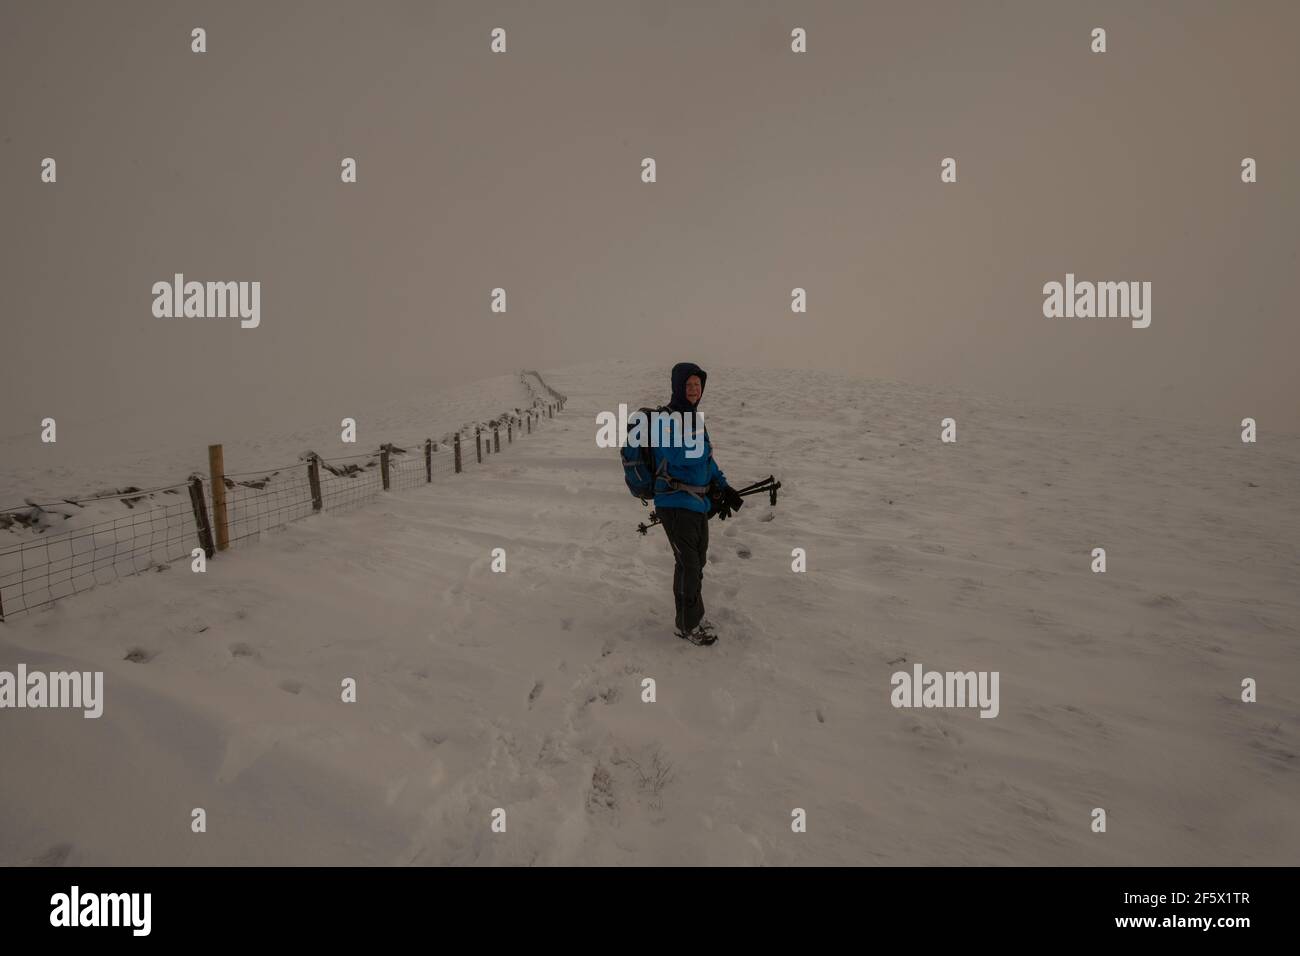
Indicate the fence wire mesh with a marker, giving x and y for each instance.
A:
(158, 529)
(66, 547)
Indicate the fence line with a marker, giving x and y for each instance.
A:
(171, 523)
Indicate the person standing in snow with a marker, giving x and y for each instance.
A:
(694, 489)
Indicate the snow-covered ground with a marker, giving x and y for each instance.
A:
(523, 690)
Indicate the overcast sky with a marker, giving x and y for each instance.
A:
(522, 170)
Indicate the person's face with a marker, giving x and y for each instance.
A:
(694, 389)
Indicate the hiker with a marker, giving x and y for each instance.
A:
(695, 489)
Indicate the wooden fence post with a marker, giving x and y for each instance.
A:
(530, 423)
(496, 437)
(201, 515)
(313, 478)
(217, 469)
(510, 430)
(478, 443)
(458, 453)
(383, 465)
(428, 460)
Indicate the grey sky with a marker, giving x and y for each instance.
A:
(521, 170)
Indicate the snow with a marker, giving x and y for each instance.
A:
(523, 690)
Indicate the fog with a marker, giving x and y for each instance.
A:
(522, 170)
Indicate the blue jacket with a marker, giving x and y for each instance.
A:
(686, 469)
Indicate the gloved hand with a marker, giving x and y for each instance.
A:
(717, 504)
(725, 500)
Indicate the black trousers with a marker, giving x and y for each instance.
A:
(688, 534)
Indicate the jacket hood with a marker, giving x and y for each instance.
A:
(681, 372)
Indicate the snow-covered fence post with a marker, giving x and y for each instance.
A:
(496, 437)
(530, 423)
(313, 479)
(428, 460)
(217, 469)
(478, 443)
(510, 430)
(383, 465)
(201, 515)
(458, 453)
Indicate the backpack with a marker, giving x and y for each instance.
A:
(639, 461)
(639, 471)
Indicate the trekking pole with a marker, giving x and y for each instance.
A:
(768, 484)
(756, 486)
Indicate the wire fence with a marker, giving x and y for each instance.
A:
(66, 547)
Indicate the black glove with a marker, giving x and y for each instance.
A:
(717, 506)
(724, 501)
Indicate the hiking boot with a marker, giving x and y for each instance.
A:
(699, 636)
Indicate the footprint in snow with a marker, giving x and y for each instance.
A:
(56, 855)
